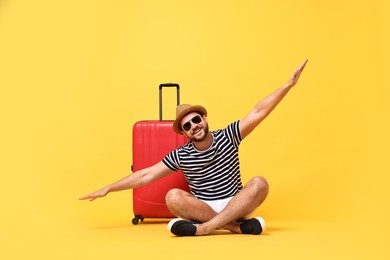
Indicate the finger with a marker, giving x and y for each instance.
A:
(300, 69)
(84, 198)
(303, 65)
(296, 73)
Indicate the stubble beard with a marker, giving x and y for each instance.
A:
(203, 137)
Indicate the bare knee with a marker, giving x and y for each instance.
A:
(173, 196)
(260, 185)
(177, 202)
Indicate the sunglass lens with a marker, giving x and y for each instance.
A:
(187, 126)
(196, 120)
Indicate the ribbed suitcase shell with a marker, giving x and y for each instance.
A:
(152, 140)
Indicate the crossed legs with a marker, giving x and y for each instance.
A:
(186, 206)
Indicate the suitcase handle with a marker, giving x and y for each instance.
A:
(160, 94)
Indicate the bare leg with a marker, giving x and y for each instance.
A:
(244, 203)
(186, 206)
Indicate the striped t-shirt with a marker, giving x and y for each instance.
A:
(212, 174)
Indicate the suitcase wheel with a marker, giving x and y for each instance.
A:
(136, 219)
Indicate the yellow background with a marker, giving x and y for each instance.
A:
(76, 75)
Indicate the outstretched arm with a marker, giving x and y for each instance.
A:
(137, 179)
(265, 106)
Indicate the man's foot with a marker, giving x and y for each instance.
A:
(252, 226)
(181, 227)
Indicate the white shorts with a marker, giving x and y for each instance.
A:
(217, 205)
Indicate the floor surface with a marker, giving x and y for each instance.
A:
(151, 240)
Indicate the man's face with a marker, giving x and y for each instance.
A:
(194, 126)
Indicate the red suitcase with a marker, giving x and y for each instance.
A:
(152, 140)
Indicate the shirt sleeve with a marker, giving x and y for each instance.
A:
(171, 160)
(232, 132)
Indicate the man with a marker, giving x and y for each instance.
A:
(210, 164)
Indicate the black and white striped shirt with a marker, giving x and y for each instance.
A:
(212, 174)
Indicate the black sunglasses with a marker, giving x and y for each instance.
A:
(195, 120)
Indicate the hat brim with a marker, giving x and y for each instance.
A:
(176, 123)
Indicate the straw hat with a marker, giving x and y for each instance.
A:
(184, 109)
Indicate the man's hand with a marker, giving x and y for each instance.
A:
(266, 105)
(97, 194)
(297, 73)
